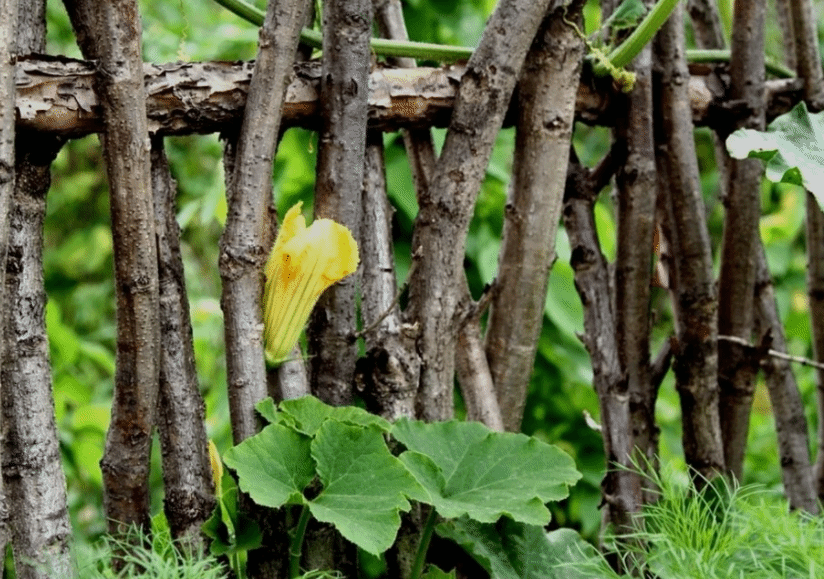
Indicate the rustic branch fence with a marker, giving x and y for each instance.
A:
(530, 50)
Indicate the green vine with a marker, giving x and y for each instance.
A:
(604, 63)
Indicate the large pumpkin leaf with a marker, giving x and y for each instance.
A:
(792, 148)
(469, 470)
(364, 486)
(274, 466)
(306, 414)
(510, 550)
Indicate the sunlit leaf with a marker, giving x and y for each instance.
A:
(792, 148)
(469, 470)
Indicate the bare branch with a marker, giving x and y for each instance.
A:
(739, 247)
(692, 283)
(110, 33)
(621, 489)
(341, 147)
(443, 219)
(387, 377)
(546, 95)
(248, 236)
(57, 96)
(785, 398)
(8, 52)
(187, 476)
(809, 69)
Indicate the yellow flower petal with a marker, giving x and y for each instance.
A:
(304, 262)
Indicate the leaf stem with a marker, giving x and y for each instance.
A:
(380, 46)
(423, 546)
(723, 55)
(623, 54)
(619, 57)
(296, 546)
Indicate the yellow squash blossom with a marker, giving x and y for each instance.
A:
(303, 263)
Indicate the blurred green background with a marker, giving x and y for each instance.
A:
(78, 265)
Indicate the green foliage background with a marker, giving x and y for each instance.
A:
(78, 264)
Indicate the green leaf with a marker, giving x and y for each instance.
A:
(364, 486)
(469, 470)
(231, 532)
(433, 572)
(510, 550)
(274, 466)
(268, 410)
(627, 15)
(792, 148)
(307, 414)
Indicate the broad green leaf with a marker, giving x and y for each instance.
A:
(792, 148)
(510, 550)
(274, 466)
(364, 486)
(469, 470)
(268, 410)
(307, 414)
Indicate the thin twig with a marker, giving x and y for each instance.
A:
(776, 353)
(371, 327)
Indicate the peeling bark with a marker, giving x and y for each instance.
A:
(187, 475)
(546, 110)
(56, 95)
(442, 222)
(692, 282)
(736, 284)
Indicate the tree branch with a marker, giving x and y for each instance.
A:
(692, 282)
(110, 33)
(187, 476)
(546, 109)
(443, 219)
(739, 246)
(56, 95)
(344, 107)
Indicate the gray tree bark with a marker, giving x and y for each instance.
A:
(111, 34)
(245, 245)
(736, 372)
(546, 111)
(187, 475)
(636, 191)
(785, 398)
(344, 93)
(621, 488)
(8, 57)
(445, 211)
(808, 62)
(344, 105)
(32, 469)
(387, 377)
(692, 282)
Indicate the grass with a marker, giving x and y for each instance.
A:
(723, 531)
